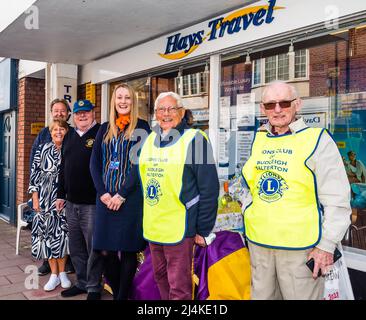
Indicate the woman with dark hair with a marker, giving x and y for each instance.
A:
(49, 228)
(118, 228)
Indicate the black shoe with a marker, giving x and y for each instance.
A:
(44, 269)
(69, 268)
(72, 292)
(93, 296)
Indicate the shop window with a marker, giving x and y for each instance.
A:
(192, 84)
(283, 66)
(329, 76)
(270, 68)
(300, 64)
(278, 67)
(141, 87)
(186, 86)
(204, 82)
(192, 87)
(257, 71)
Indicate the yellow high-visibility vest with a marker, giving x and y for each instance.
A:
(161, 174)
(285, 212)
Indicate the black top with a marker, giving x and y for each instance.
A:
(75, 181)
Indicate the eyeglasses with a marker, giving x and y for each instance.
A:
(168, 109)
(283, 104)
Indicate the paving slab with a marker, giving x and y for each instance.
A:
(10, 270)
(4, 281)
(16, 296)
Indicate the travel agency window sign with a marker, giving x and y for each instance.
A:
(181, 45)
(257, 21)
(261, 20)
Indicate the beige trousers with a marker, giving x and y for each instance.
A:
(282, 274)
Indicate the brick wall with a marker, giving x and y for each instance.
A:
(339, 66)
(98, 99)
(31, 108)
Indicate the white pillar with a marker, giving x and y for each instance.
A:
(61, 82)
(105, 103)
(215, 76)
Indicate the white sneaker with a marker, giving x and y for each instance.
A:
(52, 283)
(65, 282)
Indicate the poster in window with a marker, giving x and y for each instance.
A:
(245, 109)
(225, 112)
(244, 141)
(350, 136)
(224, 137)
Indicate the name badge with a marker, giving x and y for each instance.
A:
(114, 165)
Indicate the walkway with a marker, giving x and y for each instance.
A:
(13, 278)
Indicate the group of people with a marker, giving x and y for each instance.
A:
(102, 193)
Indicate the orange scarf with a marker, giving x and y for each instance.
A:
(122, 121)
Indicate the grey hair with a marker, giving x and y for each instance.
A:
(172, 94)
(293, 90)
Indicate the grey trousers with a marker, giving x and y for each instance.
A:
(88, 265)
(282, 274)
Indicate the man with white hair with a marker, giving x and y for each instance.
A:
(300, 205)
(180, 184)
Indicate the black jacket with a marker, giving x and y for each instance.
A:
(75, 181)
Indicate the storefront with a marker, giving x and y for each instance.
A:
(220, 67)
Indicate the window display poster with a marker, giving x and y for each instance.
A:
(245, 109)
(350, 136)
(244, 141)
(200, 114)
(224, 137)
(225, 112)
(314, 120)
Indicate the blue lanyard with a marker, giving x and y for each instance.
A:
(115, 149)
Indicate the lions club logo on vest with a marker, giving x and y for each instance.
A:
(153, 192)
(271, 186)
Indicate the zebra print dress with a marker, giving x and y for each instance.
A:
(50, 238)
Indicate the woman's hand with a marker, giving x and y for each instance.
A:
(116, 202)
(35, 201)
(106, 198)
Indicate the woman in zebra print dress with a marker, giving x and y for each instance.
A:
(49, 229)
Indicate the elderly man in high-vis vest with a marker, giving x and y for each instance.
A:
(300, 206)
(180, 187)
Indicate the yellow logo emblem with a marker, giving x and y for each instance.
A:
(89, 143)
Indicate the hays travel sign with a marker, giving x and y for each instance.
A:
(179, 46)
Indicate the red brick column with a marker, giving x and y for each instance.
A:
(31, 108)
